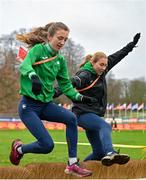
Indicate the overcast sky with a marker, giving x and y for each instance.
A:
(98, 25)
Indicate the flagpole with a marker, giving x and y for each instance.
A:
(143, 111)
(107, 111)
(137, 115)
(125, 113)
(113, 113)
(131, 113)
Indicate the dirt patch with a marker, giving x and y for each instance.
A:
(132, 170)
(14, 172)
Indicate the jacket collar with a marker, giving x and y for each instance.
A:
(88, 66)
(51, 50)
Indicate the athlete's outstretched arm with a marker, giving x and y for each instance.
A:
(113, 59)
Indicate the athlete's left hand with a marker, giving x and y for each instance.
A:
(136, 38)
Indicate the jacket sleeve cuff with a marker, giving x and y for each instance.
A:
(31, 74)
(78, 97)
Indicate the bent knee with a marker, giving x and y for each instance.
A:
(108, 126)
(47, 147)
(72, 120)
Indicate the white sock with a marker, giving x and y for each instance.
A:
(72, 160)
(19, 149)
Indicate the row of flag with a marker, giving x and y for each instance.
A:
(124, 106)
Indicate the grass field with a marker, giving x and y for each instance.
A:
(59, 153)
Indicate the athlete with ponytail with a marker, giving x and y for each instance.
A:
(41, 66)
(90, 80)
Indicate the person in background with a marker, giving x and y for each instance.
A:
(91, 80)
(41, 66)
(114, 124)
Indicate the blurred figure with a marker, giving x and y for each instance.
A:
(114, 124)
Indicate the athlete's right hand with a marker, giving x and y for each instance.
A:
(36, 85)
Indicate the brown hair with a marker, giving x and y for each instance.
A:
(93, 58)
(39, 35)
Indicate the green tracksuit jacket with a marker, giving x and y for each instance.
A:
(47, 73)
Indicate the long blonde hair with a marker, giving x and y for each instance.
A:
(39, 35)
(93, 58)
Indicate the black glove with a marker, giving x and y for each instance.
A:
(36, 85)
(87, 99)
(58, 92)
(136, 38)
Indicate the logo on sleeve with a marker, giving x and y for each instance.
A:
(45, 57)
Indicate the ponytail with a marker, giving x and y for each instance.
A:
(39, 35)
(86, 59)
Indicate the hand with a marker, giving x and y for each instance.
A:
(87, 99)
(136, 38)
(57, 92)
(36, 85)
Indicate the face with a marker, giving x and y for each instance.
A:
(58, 40)
(100, 65)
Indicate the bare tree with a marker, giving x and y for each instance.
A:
(74, 54)
(8, 88)
(137, 90)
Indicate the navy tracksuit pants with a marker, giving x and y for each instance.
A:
(32, 113)
(98, 132)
